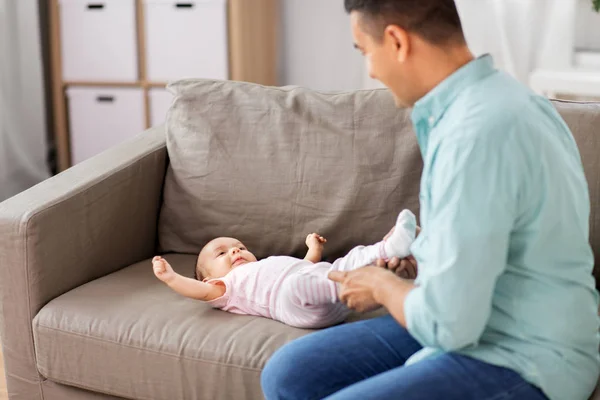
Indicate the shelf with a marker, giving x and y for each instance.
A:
(117, 84)
(252, 29)
(157, 84)
(104, 84)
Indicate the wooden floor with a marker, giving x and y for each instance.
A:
(3, 395)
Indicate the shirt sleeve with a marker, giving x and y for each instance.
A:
(223, 301)
(471, 210)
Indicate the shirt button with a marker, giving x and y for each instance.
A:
(431, 120)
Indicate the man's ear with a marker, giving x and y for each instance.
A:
(398, 40)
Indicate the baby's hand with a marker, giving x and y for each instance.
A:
(163, 270)
(314, 240)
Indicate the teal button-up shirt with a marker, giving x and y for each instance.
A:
(504, 259)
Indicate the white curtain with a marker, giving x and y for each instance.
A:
(22, 117)
(522, 35)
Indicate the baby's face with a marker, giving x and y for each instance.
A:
(222, 255)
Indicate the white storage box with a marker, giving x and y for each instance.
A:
(103, 117)
(186, 39)
(160, 102)
(99, 40)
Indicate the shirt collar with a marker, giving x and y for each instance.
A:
(430, 108)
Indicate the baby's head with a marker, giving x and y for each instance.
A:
(220, 256)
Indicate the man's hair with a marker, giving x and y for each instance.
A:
(436, 21)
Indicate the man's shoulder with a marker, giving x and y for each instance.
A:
(499, 97)
(497, 104)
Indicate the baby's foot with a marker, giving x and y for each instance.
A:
(398, 245)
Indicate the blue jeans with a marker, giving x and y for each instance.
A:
(364, 360)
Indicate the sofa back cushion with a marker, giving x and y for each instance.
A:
(270, 165)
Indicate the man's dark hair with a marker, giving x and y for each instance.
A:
(436, 21)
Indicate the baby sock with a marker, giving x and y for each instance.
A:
(398, 245)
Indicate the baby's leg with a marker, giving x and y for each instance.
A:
(308, 299)
(397, 245)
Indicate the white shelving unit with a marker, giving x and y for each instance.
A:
(160, 101)
(103, 117)
(173, 29)
(111, 61)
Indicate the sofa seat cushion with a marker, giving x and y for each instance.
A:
(127, 334)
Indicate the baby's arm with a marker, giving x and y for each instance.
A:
(315, 244)
(185, 286)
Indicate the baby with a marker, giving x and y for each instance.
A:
(294, 291)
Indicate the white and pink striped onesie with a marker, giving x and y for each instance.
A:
(291, 290)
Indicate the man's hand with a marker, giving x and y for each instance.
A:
(368, 288)
(315, 241)
(405, 268)
(358, 287)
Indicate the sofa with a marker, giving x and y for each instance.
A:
(82, 315)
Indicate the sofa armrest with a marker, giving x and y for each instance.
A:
(84, 223)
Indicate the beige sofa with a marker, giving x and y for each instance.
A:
(83, 317)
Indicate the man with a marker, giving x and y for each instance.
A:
(504, 306)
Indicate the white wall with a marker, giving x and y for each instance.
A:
(316, 47)
(316, 44)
